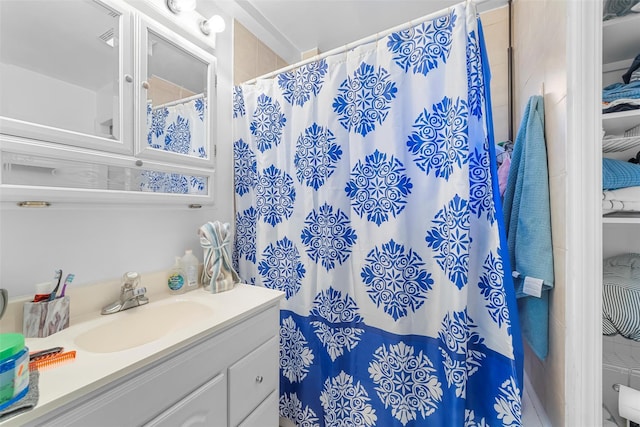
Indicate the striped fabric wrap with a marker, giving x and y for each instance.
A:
(621, 296)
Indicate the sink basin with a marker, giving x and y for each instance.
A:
(141, 325)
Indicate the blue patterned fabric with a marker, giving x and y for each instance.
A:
(619, 174)
(179, 128)
(366, 191)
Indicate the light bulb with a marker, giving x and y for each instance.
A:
(215, 24)
(179, 6)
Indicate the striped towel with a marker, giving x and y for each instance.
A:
(621, 296)
(218, 274)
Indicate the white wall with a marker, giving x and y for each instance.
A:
(34, 97)
(540, 62)
(101, 243)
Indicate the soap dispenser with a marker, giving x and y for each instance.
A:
(177, 281)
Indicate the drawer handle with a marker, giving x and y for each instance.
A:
(259, 379)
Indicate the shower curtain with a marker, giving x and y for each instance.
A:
(180, 128)
(366, 191)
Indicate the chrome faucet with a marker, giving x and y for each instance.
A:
(131, 294)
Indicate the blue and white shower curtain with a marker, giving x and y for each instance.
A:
(366, 191)
(178, 128)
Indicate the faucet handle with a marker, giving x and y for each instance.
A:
(130, 280)
(139, 291)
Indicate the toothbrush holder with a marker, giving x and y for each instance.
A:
(44, 318)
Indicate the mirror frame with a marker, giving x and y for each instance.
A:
(142, 150)
(124, 143)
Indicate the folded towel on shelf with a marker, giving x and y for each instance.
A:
(620, 90)
(619, 174)
(630, 103)
(624, 199)
(621, 296)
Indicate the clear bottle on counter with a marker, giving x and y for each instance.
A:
(177, 279)
(190, 265)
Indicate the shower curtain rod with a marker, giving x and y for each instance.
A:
(179, 101)
(360, 42)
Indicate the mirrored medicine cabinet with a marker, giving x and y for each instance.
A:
(95, 95)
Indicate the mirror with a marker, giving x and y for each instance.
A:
(176, 83)
(60, 65)
(47, 171)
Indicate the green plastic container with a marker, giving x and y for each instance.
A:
(14, 368)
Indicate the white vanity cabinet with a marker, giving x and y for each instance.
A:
(227, 379)
(103, 103)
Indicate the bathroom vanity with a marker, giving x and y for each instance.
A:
(216, 365)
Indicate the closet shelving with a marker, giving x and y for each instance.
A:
(620, 230)
(621, 44)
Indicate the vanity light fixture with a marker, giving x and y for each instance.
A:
(179, 6)
(215, 24)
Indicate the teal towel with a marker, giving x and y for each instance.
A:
(527, 216)
(619, 174)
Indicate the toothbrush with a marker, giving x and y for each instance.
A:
(67, 281)
(47, 297)
(52, 296)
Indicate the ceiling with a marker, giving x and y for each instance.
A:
(291, 27)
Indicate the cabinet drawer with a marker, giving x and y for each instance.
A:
(204, 407)
(252, 379)
(264, 415)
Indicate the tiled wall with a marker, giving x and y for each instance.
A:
(538, 32)
(251, 57)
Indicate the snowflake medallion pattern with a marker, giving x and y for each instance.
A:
(267, 124)
(275, 195)
(291, 408)
(364, 99)
(406, 382)
(439, 140)
(316, 156)
(245, 167)
(246, 234)
(335, 311)
(480, 180)
(295, 356)
(396, 280)
(378, 187)
(299, 85)
(328, 236)
(422, 47)
(346, 403)
(281, 268)
(450, 240)
(492, 288)
(509, 405)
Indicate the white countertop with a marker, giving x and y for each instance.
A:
(89, 371)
